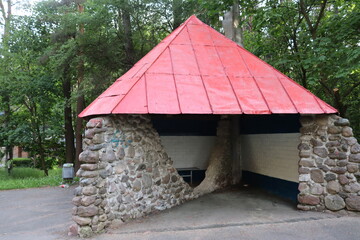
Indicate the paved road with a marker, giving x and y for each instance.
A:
(45, 214)
(38, 213)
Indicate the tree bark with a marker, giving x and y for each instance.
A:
(176, 8)
(128, 43)
(69, 130)
(231, 24)
(42, 152)
(80, 103)
(7, 15)
(305, 12)
(219, 172)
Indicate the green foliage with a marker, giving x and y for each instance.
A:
(319, 49)
(51, 162)
(28, 178)
(22, 162)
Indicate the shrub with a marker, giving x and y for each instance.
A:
(50, 162)
(22, 162)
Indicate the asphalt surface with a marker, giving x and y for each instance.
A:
(45, 214)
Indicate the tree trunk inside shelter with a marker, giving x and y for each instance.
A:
(218, 174)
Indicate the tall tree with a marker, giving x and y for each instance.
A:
(33, 93)
(315, 43)
(6, 14)
(61, 54)
(126, 24)
(80, 102)
(177, 9)
(231, 24)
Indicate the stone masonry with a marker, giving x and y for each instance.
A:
(329, 176)
(125, 173)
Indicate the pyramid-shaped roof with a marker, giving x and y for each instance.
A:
(197, 70)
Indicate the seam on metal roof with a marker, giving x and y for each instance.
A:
(288, 95)
(317, 101)
(256, 83)
(227, 77)
(289, 79)
(201, 77)
(184, 25)
(173, 76)
(146, 94)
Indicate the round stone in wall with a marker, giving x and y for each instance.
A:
(309, 199)
(317, 175)
(353, 203)
(355, 148)
(333, 187)
(342, 122)
(317, 189)
(320, 151)
(347, 132)
(334, 202)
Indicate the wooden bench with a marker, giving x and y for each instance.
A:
(187, 172)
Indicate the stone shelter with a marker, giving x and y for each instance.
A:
(201, 110)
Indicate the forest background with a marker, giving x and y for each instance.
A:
(61, 54)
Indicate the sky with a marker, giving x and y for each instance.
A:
(19, 11)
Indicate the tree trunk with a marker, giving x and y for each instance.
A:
(80, 103)
(176, 8)
(231, 24)
(218, 174)
(69, 130)
(7, 15)
(236, 150)
(42, 154)
(128, 43)
(339, 105)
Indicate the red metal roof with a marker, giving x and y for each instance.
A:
(196, 70)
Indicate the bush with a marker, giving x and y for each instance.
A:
(29, 163)
(50, 163)
(22, 162)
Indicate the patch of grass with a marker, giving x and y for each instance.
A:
(28, 178)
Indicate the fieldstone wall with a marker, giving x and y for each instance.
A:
(125, 174)
(329, 176)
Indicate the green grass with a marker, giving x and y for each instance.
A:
(28, 178)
